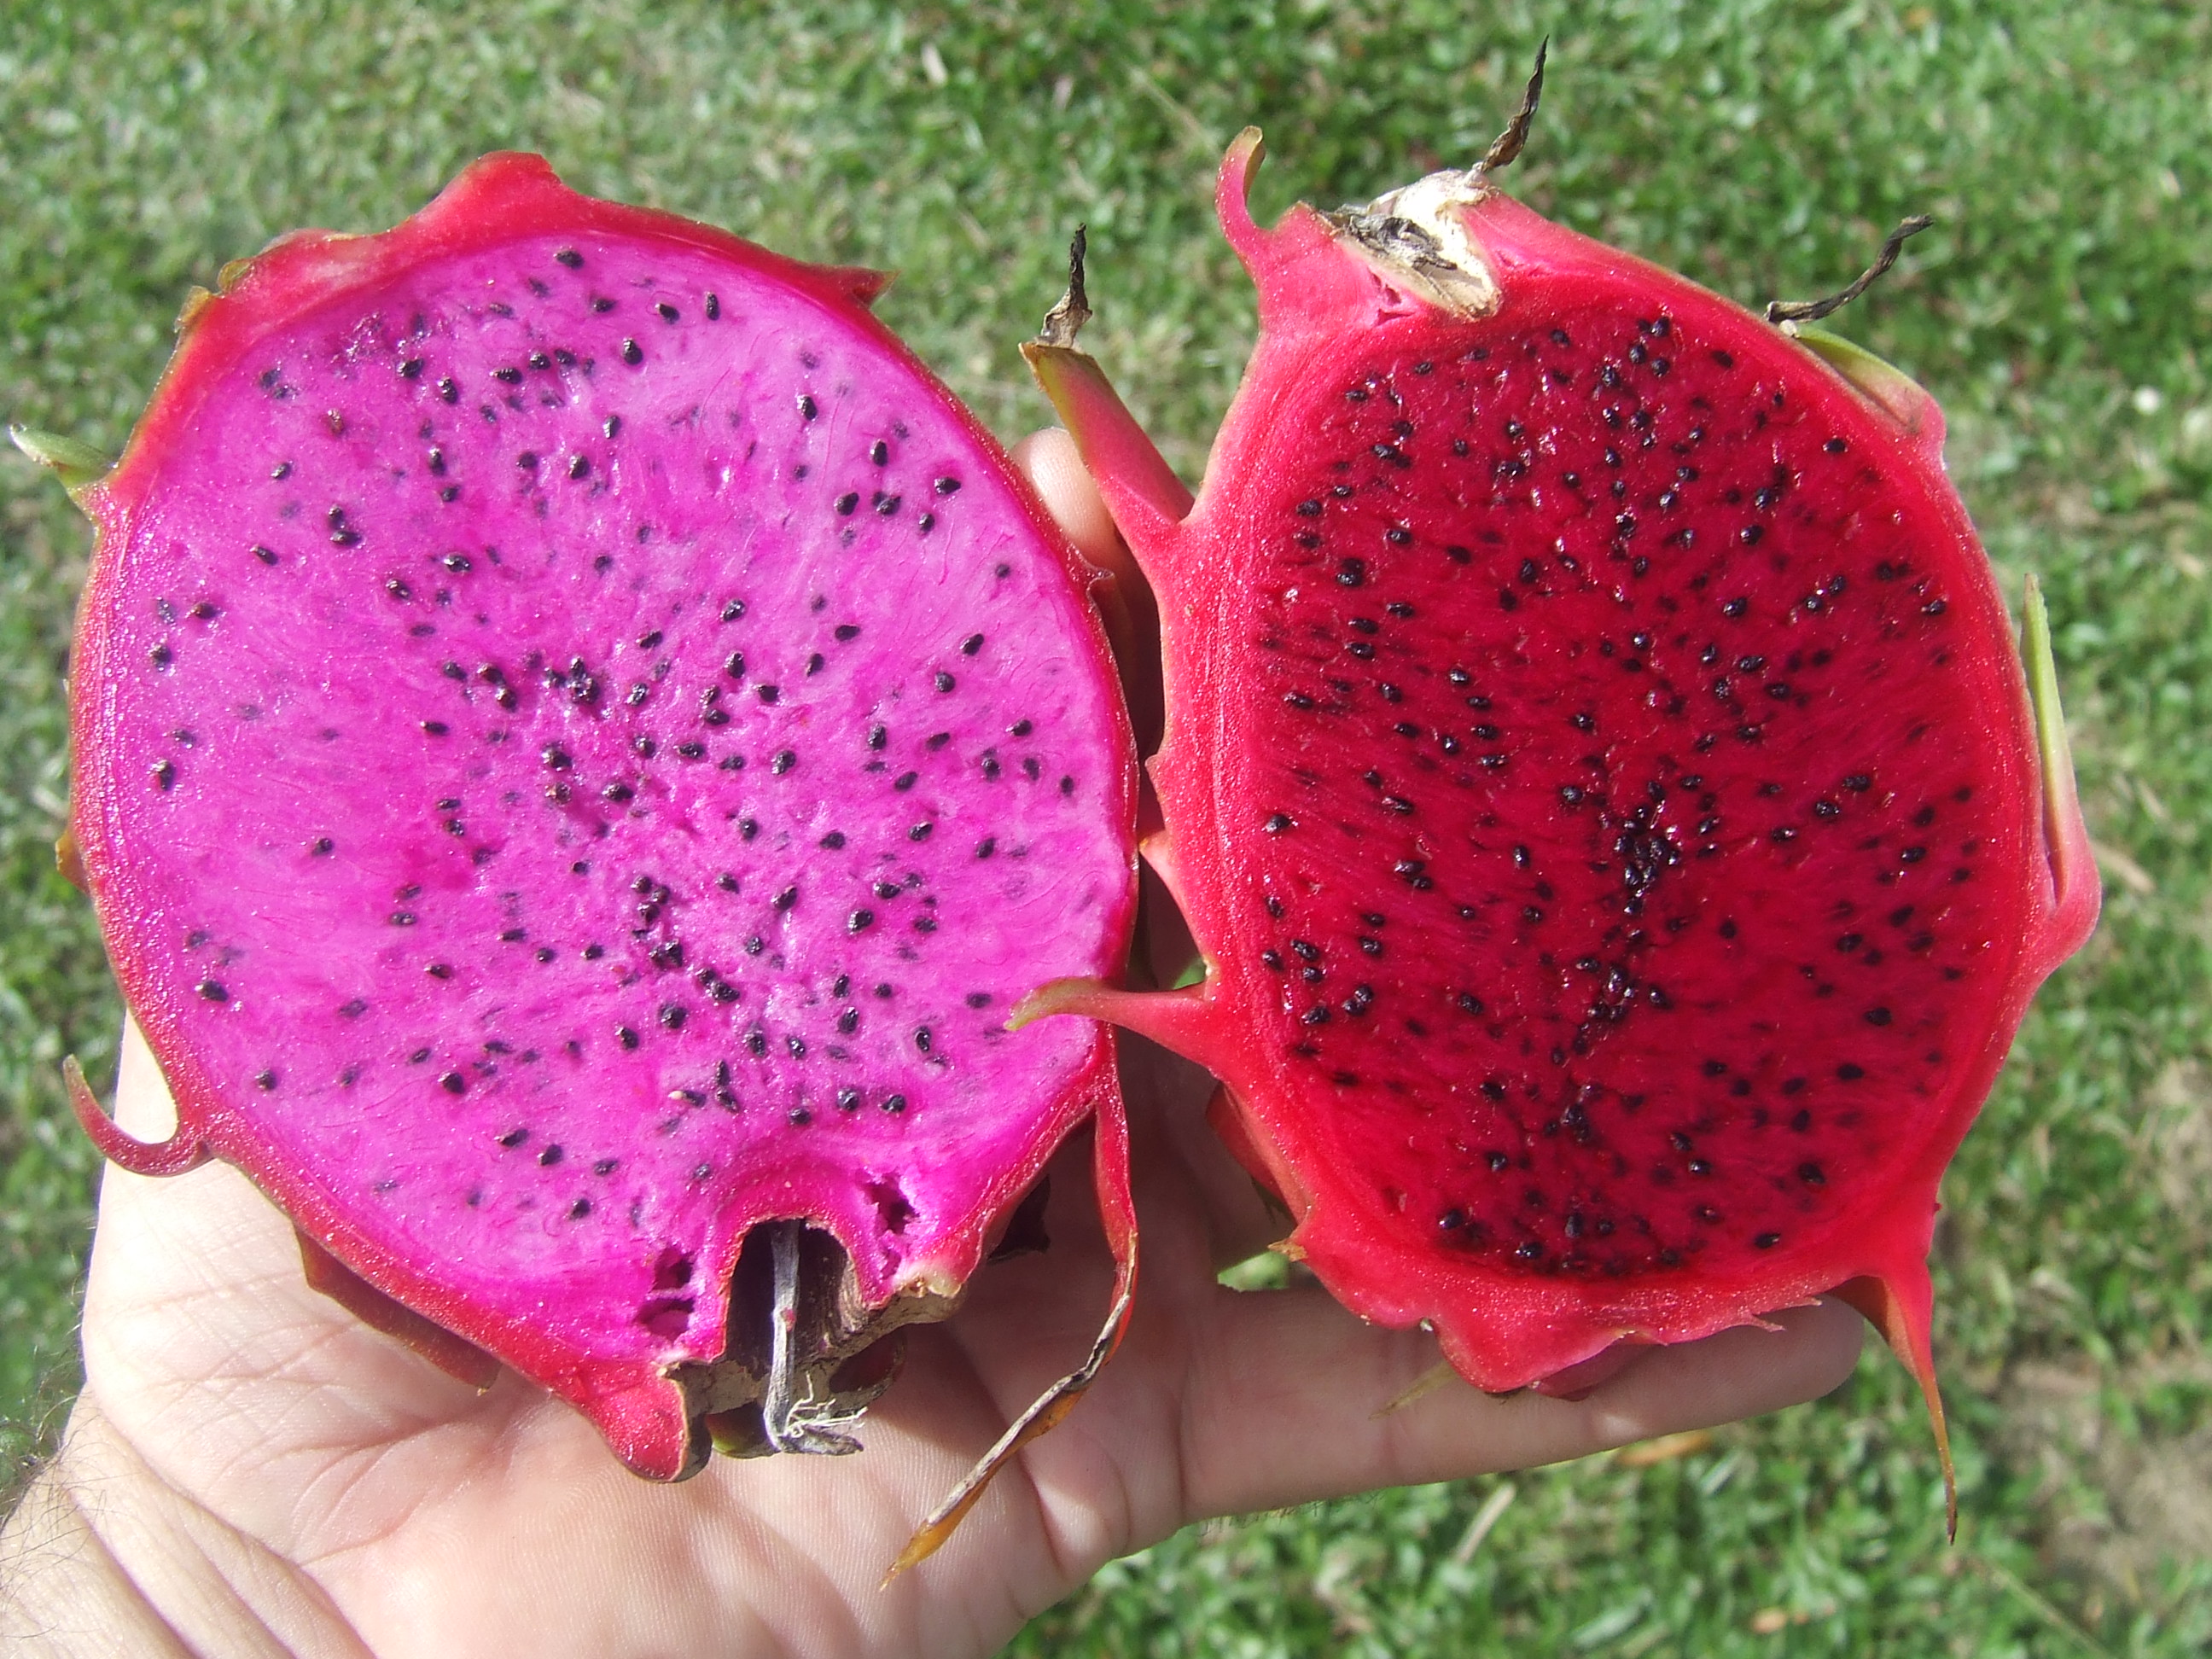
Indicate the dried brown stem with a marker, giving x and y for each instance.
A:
(1501, 154)
(1066, 319)
(1811, 311)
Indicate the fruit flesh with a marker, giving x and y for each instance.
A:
(580, 744)
(1610, 930)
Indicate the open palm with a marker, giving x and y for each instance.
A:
(270, 1475)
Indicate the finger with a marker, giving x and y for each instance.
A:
(1286, 1393)
(1181, 1161)
(1049, 459)
(142, 1103)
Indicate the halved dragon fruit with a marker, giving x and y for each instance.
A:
(581, 744)
(1601, 780)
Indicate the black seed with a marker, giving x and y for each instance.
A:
(860, 921)
(905, 780)
(1877, 1016)
(895, 1104)
(943, 681)
(768, 694)
(1277, 823)
(551, 1154)
(264, 1080)
(986, 847)
(887, 505)
(631, 353)
(785, 759)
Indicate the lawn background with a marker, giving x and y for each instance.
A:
(2060, 311)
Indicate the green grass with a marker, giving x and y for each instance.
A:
(1764, 147)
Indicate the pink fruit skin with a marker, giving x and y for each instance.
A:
(1231, 758)
(565, 1313)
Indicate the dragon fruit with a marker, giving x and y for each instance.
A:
(1598, 778)
(580, 743)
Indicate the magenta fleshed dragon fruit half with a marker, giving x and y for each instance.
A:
(581, 744)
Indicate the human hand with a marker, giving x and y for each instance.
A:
(250, 1470)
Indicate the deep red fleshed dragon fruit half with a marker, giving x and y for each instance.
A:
(1599, 776)
(581, 744)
